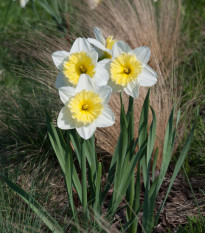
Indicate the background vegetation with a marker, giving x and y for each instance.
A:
(25, 152)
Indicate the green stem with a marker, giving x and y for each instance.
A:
(83, 169)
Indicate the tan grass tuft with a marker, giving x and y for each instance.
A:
(142, 23)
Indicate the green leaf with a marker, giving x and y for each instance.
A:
(98, 194)
(69, 176)
(178, 165)
(144, 120)
(57, 142)
(59, 147)
(154, 164)
(143, 133)
(167, 149)
(75, 140)
(35, 206)
(124, 179)
(151, 137)
(122, 148)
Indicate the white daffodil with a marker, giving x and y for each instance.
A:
(103, 46)
(82, 59)
(129, 70)
(85, 107)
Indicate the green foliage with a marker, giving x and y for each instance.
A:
(194, 225)
(12, 19)
(121, 173)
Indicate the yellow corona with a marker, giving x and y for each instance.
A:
(124, 69)
(77, 64)
(110, 42)
(85, 107)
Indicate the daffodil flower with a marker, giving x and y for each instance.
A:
(82, 59)
(85, 107)
(128, 69)
(102, 45)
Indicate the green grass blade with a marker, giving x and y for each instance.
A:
(50, 222)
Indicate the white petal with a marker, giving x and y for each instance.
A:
(105, 93)
(99, 36)
(104, 62)
(65, 120)
(87, 132)
(85, 83)
(80, 44)
(132, 89)
(66, 93)
(61, 81)
(148, 77)
(142, 54)
(120, 47)
(97, 44)
(59, 57)
(93, 55)
(101, 75)
(115, 87)
(107, 118)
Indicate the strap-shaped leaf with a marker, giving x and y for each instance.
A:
(167, 149)
(125, 180)
(178, 165)
(59, 146)
(142, 138)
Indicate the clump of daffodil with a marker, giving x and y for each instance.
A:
(85, 107)
(102, 45)
(82, 59)
(128, 69)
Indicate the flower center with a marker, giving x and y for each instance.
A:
(77, 64)
(82, 69)
(125, 68)
(85, 107)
